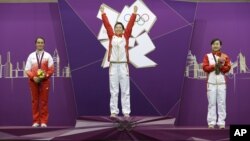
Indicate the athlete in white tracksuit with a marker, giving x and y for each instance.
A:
(118, 57)
(216, 64)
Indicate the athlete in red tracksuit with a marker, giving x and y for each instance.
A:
(216, 64)
(118, 56)
(39, 83)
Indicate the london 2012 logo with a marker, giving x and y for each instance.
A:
(140, 44)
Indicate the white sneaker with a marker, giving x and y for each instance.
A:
(126, 115)
(211, 126)
(222, 126)
(113, 115)
(43, 125)
(35, 125)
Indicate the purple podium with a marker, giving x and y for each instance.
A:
(104, 128)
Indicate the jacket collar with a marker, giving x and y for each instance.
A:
(118, 35)
(218, 53)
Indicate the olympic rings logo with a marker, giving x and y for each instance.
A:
(140, 19)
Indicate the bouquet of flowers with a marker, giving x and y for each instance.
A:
(217, 68)
(40, 75)
(219, 64)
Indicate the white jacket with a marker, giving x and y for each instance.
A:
(118, 51)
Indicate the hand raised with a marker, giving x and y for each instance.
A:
(102, 9)
(135, 9)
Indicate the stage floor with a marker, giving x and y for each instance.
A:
(104, 128)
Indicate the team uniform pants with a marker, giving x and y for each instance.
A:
(216, 96)
(119, 76)
(39, 95)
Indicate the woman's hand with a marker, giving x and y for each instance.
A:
(36, 79)
(222, 60)
(102, 9)
(135, 9)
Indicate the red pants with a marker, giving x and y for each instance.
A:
(40, 94)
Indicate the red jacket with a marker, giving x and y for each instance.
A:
(209, 67)
(126, 34)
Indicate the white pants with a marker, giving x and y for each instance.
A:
(216, 96)
(119, 74)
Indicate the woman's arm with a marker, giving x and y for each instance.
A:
(205, 65)
(226, 66)
(106, 23)
(130, 24)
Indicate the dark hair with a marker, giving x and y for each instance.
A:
(216, 39)
(119, 24)
(40, 38)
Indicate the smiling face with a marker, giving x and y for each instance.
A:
(119, 28)
(216, 46)
(40, 44)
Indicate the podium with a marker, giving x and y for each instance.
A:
(158, 128)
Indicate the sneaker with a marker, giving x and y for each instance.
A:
(126, 115)
(43, 125)
(113, 115)
(222, 126)
(35, 125)
(211, 126)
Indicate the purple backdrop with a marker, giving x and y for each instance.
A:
(154, 91)
(229, 22)
(162, 90)
(20, 24)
